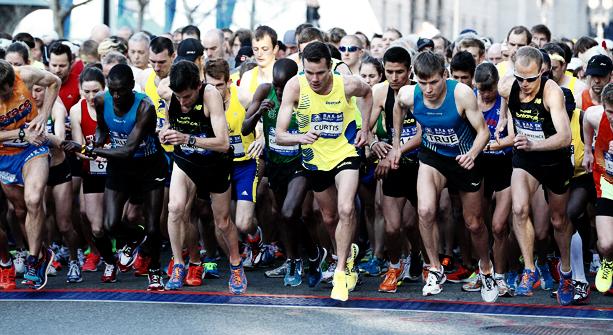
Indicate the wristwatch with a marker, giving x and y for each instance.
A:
(22, 133)
(487, 147)
(191, 140)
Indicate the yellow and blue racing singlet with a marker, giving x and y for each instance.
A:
(160, 105)
(235, 115)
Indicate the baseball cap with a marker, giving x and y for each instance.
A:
(290, 38)
(423, 43)
(189, 49)
(243, 54)
(599, 66)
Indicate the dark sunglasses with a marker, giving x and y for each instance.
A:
(530, 79)
(352, 48)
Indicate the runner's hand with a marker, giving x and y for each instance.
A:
(466, 161)
(38, 125)
(308, 138)
(381, 149)
(361, 138)
(521, 142)
(394, 158)
(256, 147)
(33, 137)
(174, 137)
(266, 105)
(588, 160)
(382, 169)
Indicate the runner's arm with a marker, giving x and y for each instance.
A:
(255, 110)
(102, 130)
(591, 120)
(32, 76)
(468, 102)
(284, 117)
(554, 99)
(355, 86)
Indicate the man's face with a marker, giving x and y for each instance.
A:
(220, 84)
(388, 38)
(264, 51)
(489, 94)
(188, 97)
(161, 63)
(539, 39)
(608, 111)
(138, 52)
(213, 47)
(476, 53)
(515, 42)
(291, 49)
(121, 92)
(557, 70)
(463, 76)
(278, 83)
(88, 59)
(59, 65)
(597, 83)
(318, 74)
(377, 48)
(432, 87)
(38, 93)
(397, 75)
(528, 77)
(494, 55)
(439, 46)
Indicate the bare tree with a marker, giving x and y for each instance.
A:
(142, 4)
(60, 14)
(191, 13)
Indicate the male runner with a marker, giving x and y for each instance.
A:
(598, 74)
(453, 135)
(563, 79)
(541, 156)
(328, 138)
(264, 49)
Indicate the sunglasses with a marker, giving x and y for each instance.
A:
(530, 79)
(352, 48)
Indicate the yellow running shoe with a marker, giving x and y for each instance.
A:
(603, 276)
(352, 270)
(339, 291)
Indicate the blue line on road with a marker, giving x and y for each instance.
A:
(309, 301)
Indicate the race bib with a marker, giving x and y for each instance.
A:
(97, 168)
(608, 163)
(532, 130)
(572, 154)
(118, 140)
(236, 143)
(190, 150)
(442, 136)
(290, 150)
(328, 125)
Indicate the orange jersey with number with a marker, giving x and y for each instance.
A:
(15, 112)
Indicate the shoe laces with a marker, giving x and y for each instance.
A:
(176, 272)
(433, 278)
(73, 269)
(607, 268)
(489, 281)
(236, 278)
(127, 250)
(108, 270)
(525, 278)
(566, 285)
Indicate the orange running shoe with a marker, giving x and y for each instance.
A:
(390, 282)
(194, 275)
(460, 275)
(91, 262)
(7, 278)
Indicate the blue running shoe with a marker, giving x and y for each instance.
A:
(545, 276)
(372, 267)
(210, 268)
(566, 290)
(238, 281)
(43, 268)
(293, 276)
(315, 273)
(529, 281)
(30, 274)
(512, 280)
(177, 276)
(74, 272)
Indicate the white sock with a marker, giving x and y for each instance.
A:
(395, 266)
(7, 264)
(576, 258)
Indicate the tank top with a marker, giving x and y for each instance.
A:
(253, 85)
(409, 125)
(333, 117)
(603, 160)
(69, 91)
(444, 130)
(235, 115)
(88, 128)
(275, 153)
(160, 105)
(534, 121)
(120, 127)
(577, 146)
(586, 99)
(15, 112)
(491, 117)
(194, 122)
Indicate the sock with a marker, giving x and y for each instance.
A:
(498, 275)
(395, 266)
(7, 264)
(576, 258)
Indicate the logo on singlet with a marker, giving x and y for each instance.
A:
(16, 114)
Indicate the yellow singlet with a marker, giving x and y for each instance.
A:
(577, 146)
(333, 117)
(160, 105)
(235, 115)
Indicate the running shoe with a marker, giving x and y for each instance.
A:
(460, 275)
(368, 255)
(91, 262)
(405, 275)
(238, 280)
(156, 283)
(566, 289)
(52, 272)
(74, 272)
(340, 291)
(545, 276)
(315, 272)
(195, 272)
(110, 273)
(595, 264)
(327, 276)
(390, 282)
(552, 263)
(141, 265)
(372, 267)
(582, 293)
(434, 283)
(474, 284)
(80, 257)
(489, 288)
(277, 250)
(425, 271)
(604, 274)
(37, 269)
(512, 277)
(278, 272)
(20, 262)
(63, 255)
(127, 254)
(264, 256)
(503, 288)
(293, 275)
(7, 277)
(352, 271)
(210, 268)
(247, 257)
(528, 282)
(177, 276)
(57, 266)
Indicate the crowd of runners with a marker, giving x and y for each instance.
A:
(454, 159)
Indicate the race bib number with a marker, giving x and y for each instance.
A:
(118, 140)
(608, 163)
(290, 150)
(532, 130)
(159, 123)
(442, 136)
(97, 168)
(236, 144)
(328, 125)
